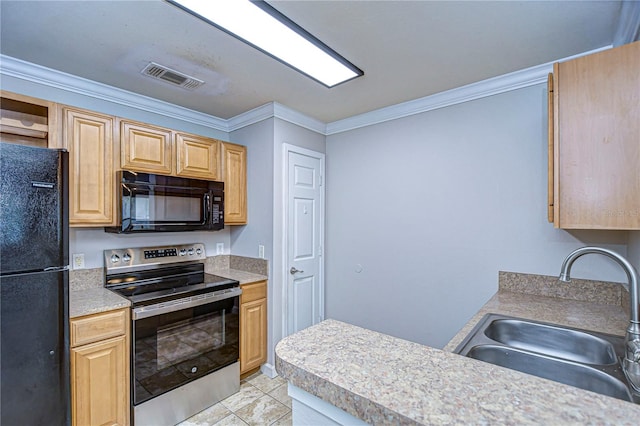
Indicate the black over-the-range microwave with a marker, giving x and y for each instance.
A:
(157, 203)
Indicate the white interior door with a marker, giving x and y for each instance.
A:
(305, 235)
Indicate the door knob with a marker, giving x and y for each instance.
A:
(293, 270)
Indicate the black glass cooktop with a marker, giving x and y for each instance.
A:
(163, 284)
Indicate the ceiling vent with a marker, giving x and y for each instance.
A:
(171, 76)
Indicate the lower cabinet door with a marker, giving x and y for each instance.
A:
(99, 389)
(253, 334)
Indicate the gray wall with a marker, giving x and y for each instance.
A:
(258, 138)
(264, 141)
(633, 249)
(286, 132)
(431, 207)
(92, 241)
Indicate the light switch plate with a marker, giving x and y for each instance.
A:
(261, 251)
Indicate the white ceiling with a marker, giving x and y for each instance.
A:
(407, 49)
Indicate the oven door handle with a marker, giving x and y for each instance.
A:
(142, 312)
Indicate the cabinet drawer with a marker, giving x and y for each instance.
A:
(253, 291)
(98, 327)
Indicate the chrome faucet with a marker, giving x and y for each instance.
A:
(631, 362)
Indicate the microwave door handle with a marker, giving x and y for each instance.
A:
(206, 208)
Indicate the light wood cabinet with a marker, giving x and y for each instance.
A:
(234, 172)
(89, 137)
(253, 326)
(197, 156)
(28, 121)
(153, 149)
(146, 148)
(595, 141)
(100, 369)
(99, 145)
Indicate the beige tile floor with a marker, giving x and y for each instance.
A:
(261, 401)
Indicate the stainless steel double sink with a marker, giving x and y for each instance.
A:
(580, 358)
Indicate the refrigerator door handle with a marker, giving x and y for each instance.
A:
(57, 268)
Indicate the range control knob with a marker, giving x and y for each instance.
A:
(190, 252)
(126, 257)
(183, 252)
(115, 258)
(198, 251)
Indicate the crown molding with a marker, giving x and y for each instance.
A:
(38, 74)
(276, 110)
(34, 73)
(492, 86)
(250, 117)
(628, 29)
(292, 116)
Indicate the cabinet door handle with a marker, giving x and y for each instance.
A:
(293, 270)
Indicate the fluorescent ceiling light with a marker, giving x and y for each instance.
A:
(266, 29)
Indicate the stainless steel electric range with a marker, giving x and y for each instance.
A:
(184, 331)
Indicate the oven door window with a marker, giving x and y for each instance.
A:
(150, 206)
(172, 349)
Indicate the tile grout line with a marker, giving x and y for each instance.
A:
(255, 390)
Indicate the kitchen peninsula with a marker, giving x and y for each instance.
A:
(381, 379)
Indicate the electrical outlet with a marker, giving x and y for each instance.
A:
(219, 248)
(261, 251)
(78, 261)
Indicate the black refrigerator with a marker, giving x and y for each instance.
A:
(34, 281)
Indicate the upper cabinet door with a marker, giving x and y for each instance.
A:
(197, 156)
(88, 136)
(234, 165)
(146, 148)
(597, 140)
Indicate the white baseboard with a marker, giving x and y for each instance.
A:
(269, 370)
(309, 410)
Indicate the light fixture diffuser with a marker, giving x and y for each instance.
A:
(263, 27)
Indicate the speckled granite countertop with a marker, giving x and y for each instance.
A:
(87, 294)
(386, 380)
(244, 269)
(243, 277)
(94, 300)
(86, 301)
(604, 318)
